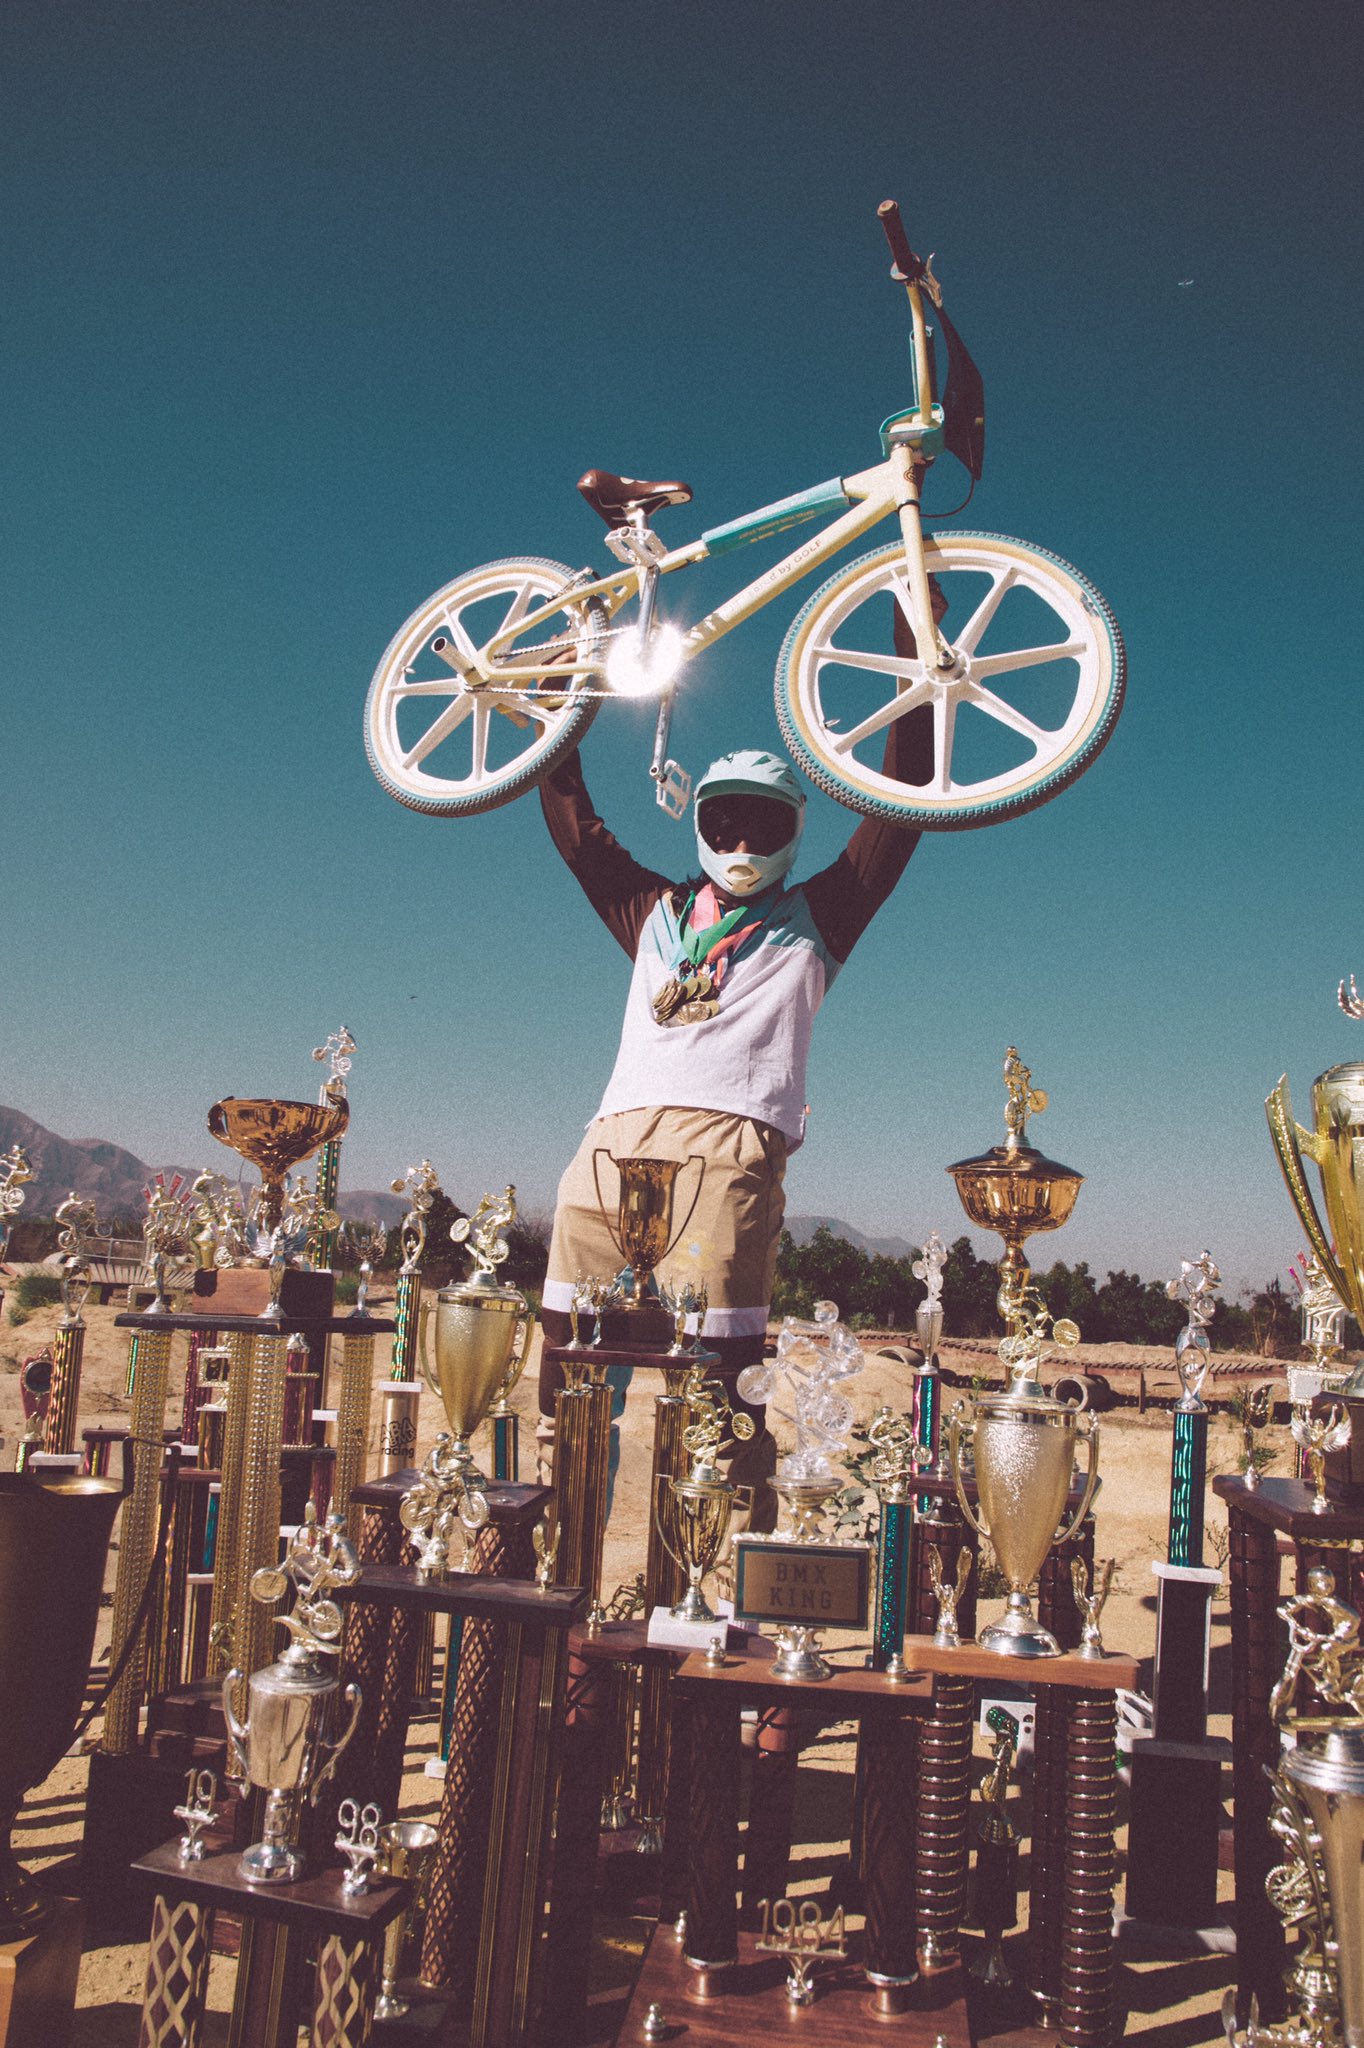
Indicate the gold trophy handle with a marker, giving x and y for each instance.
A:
(1288, 1135)
(597, 1153)
(955, 1433)
(423, 1349)
(236, 1730)
(352, 1698)
(1091, 1437)
(662, 1479)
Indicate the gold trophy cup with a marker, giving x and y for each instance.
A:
(1013, 1189)
(54, 1538)
(476, 1328)
(643, 1232)
(1023, 1442)
(276, 1137)
(1336, 1145)
(699, 1506)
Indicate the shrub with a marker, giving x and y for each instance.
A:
(36, 1290)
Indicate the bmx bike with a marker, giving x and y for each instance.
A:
(501, 672)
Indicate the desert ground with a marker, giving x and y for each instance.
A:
(1170, 2000)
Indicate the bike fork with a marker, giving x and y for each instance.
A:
(672, 784)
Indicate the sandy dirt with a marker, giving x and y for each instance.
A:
(1170, 2002)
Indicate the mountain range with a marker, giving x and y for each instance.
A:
(113, 1179)
(803, 1228)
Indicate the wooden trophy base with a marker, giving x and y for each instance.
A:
(748, 2001)
(245, 1291)
(38, 1981)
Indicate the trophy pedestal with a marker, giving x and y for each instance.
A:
(667, 1633)
(38, 1981)
(1256, 1517)
(750, 2002)
(304, 1296)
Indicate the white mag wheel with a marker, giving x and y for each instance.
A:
(440, 739)
(1031, 699)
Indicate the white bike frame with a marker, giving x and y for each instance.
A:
(911, 438)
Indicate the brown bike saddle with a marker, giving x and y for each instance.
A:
(617, 497)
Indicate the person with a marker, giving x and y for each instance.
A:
(729, 970)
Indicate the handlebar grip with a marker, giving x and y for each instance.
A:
(909, 268)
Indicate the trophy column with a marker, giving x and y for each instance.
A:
(503, 1549)
(237, 1394)
(149, 1360)
(943, 1851)
(352, 1416)
(68, 1348)
(1056, 1611)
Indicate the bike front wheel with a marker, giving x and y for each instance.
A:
(1032, 697)
(442, 740)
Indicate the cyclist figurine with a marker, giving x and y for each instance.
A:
(729, 970)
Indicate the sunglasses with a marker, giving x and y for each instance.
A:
(764, 824)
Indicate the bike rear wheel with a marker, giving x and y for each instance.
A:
(1039, 678)
(442, 743)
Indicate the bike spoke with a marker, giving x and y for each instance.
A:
(517, 610)
(944, 732)
(877, 721)
(482, 725)
(1025, 657)
(971, 634)
(997, 708)
(466, 654)
(440, 729)
(436, 686)
(904, 666)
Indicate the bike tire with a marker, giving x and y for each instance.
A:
(813, 744)
(449, 798)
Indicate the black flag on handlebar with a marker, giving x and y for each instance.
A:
(963, 402)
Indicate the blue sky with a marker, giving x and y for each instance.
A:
(307, 309)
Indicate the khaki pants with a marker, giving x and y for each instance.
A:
(733, 1167)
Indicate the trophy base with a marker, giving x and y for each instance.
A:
(1019, 1634)
(270, 1863)
(670, 1630)
(245, 1291)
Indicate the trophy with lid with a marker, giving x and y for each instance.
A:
(1022, 1442)
(288, 1744)
(1335, 1144)
(476, 1327)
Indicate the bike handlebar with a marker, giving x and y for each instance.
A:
(909, 268)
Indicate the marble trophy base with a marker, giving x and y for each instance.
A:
(667, 1633)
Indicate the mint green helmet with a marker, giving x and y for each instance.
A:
(750, 773)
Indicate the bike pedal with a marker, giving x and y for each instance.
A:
(673, 790)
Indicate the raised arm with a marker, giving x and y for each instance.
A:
(620, 891)
(845, 896)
